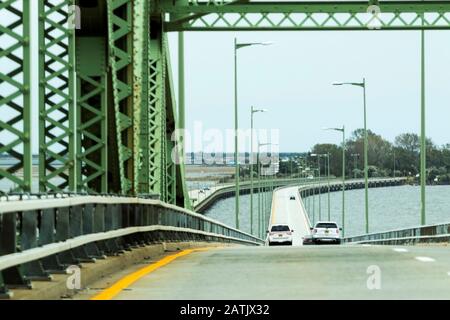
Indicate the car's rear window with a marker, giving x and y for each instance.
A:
(280, 228)
(326, 225)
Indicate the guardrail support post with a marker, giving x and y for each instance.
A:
(13, 277)
(91, 249)
(76, 230)
(129, 242)
(4, 293)
(33, 270)
(51, 264)
(62, 234)
(111, 246)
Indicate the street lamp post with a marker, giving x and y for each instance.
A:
(320, 188)
(238, 46)
(366, 167)
(423, 140)
(253, 111)
(319, 185)
(343, 175)
(314, 197)
(261, 198)
(328, 184)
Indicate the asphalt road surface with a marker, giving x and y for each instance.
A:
(309, 272)
(300, 272)
(290, 212)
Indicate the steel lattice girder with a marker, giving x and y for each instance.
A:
(171, 129)
(120, 30)
(56, 97)
(15, 104)
(141, 96)
(156, 116)
(306, 15)
(92, 134)
(92, 118)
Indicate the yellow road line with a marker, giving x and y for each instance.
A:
(128, 280)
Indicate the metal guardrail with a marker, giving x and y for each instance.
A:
(40, 237)
(230, 190)
(335, 185)
(423, 234)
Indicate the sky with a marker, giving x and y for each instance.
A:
(293, 80)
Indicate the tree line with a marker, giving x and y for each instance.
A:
(400, 158)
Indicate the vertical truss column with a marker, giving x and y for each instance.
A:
(92, 118)
(166, 173)
(15, 102)
(156, 115)
(120, 28)
(177, 191)
(141, 36)
(56, 97)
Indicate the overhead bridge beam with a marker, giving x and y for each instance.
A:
(306, 15)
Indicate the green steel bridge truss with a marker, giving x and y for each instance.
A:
(107, 106)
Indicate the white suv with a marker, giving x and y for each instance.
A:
(280, 234)
(326, 231)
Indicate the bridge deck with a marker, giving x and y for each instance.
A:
(299, 272)
(325, 272)
(290, 212)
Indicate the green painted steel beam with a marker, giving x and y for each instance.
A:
(141, 36)
(92, 117)
(15, 100)
(156, 114)
(57, 163)
(178, 191)
(306, 15)
(120, 28)
(144, 134)
(231, 6)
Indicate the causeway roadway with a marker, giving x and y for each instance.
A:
(290, 212)
(297, 272)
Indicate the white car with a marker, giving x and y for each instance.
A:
(326, 232)
(280, 234)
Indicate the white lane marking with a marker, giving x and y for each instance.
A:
(425, 259)
(366, 245)
(400, 250)
(448, 273)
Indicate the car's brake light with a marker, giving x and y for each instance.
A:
(289, 233)
(315, 231)
(337, 231)
(271, 233)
